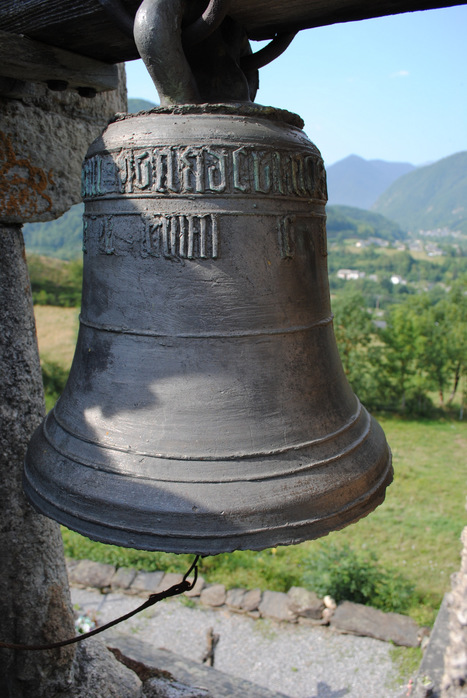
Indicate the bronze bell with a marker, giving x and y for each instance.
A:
(206, 409)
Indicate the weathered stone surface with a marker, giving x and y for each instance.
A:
(163, 688)
(327, 615)
(146, 583)
(432, 664)
(123, 578)
(214, 595)
(197, 589)
(251, 600)
(312, 621)
(92, 574)
(35, 604)
(168, 580)
(454, 681)
(306, 603)
(186, 670)
(44, 136)
(234, 599)
(277, 606)
(357, 619)
(99, 674)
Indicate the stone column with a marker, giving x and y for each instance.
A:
(43, 139)
(34, 598)
(454, 683)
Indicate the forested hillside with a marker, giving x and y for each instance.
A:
(430, 197)
(62, 238)
(345, 222)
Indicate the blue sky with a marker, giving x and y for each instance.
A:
(393, 88)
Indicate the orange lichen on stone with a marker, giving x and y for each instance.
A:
(22, 185)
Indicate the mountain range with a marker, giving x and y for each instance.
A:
(356, 182)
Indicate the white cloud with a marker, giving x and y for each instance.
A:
(400, 74)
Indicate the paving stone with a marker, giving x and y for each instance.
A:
(214, 595)
(92, 574)
(357, 619)
(277, 605)
(235, 598)
(159, 687)
(123, 578)
(169, 580)
(306, 603)
(312, 621)
(197, 589)
(251, 600)
(146, 582)
(327, 615)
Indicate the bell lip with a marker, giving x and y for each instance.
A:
(270, 537)
(198, 533)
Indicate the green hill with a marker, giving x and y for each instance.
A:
(345, 222)
(61, 238)
(430, 197)
(136, 105)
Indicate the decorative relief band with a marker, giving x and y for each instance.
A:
(286, 231)
(171, 236)
(189, 236)
(292, 226)
(224, 170)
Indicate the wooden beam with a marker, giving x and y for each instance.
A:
(24, 59)
(264, 18)
(86, 28)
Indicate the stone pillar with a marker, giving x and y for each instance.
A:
(34, 598)
(43, 139)
(454, 684)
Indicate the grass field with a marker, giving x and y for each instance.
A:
(57, 329)
(415, 533)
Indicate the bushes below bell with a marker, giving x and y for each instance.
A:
(349, 575)
(54, 377)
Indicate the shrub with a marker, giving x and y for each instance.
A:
(54, 378)
(348, 575)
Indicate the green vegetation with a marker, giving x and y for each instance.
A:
(407, 661)
(345, 222)
(62, 238)
(350, 575)
(55, 282)
(421, 352)
(54, 378)
(429, 197)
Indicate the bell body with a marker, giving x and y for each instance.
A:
(206, 409)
